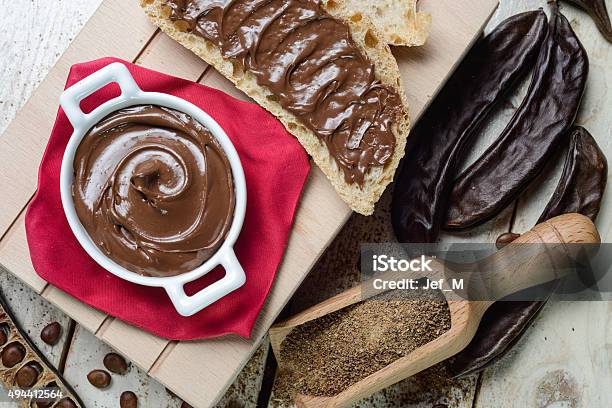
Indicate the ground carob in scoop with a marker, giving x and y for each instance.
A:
(326, 355)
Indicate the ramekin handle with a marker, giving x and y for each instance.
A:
(233, 279)
(113, 73)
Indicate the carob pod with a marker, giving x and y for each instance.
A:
(22, 365)
(599, 13)
(535, 132)
(437, 143)
(583, 179)
(580, 189)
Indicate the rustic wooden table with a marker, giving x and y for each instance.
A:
(565, 358)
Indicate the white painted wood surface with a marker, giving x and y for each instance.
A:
(563, 360)
(33, 35)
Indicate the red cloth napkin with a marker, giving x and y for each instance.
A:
(276, 168)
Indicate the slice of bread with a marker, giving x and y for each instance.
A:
(399, 20)
(360, 198)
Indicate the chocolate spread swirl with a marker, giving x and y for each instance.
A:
(154, 190)
(310, 62)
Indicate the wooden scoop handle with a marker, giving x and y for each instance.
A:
(526, 262)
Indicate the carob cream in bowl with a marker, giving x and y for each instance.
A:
(153, 189)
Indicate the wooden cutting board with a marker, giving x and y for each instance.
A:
(199, 371)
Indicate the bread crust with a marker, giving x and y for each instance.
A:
(359, 198)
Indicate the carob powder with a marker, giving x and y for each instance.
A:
(326, 355)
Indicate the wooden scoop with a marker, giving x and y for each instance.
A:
(513, 268)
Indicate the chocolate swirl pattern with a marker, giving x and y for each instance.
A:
(310, 62)
(154, 190)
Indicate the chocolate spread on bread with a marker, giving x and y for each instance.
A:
(154, 190)
(312, 65)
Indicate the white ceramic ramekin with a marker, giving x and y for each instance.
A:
(132, 95)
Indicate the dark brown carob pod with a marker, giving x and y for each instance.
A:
(583, 179)
(437, 143)
(599, 13)
(580, 189)
(500, 327)
(539, 126)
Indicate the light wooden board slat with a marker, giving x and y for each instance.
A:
(24, 141)
(214, 79)
(142, 347)
(244, 392)
(314, 227)
(16, 260)
(86, 316)
(163, 55)
(455, 26)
